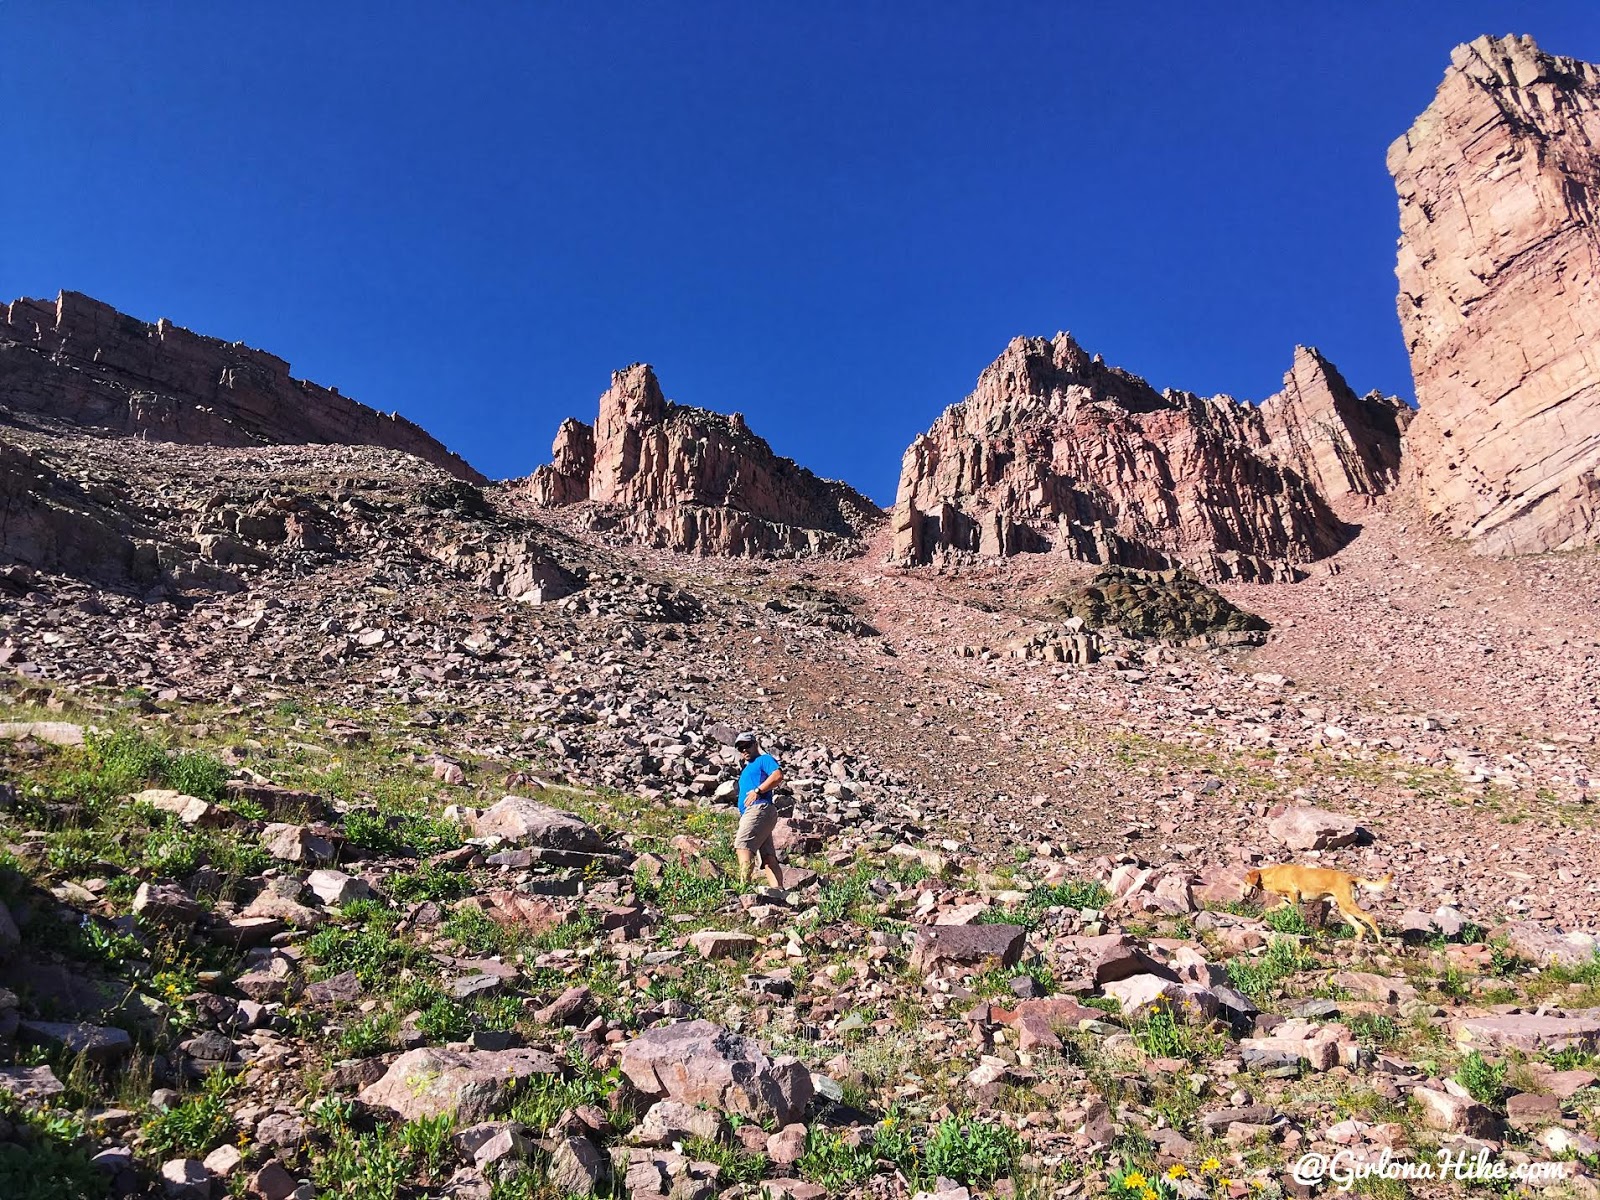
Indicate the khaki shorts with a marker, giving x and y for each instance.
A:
(755, 827)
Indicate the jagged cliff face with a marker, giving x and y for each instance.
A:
(1341, 443)
(1054, 450)
(80, 362)
(1499, 271)
(687, 479)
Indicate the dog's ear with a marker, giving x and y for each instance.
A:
(1252, 879)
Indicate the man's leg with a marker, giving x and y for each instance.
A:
(769, 860)
(746, 861)
(747, 840)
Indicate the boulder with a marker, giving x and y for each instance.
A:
(669, 1121)
(296, 844)
(713, 943)
(97, 1043)
(1318, 1045)
(336, 888)
(56, 733)
(1547, 946)
(967, 945)
(699, 1063)
(185, 1179)
(1530, 1032)
(471, 1084)
(1302, 827)
(1108, 957)
(166, 904)
(35, 1085)
(1455, 1114)
(190, 810)
(527, 822)
(577, 1168)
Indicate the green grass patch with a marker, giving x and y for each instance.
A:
(1484, 1081)
(194, 1127)
(1259, 977)
(971, 1152)
(52, 1163)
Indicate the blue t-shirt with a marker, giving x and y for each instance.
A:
(754, 775)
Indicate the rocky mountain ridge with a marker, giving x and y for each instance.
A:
(1055, 450)
(80, 362)
(693, 480)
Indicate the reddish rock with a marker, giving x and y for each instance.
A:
(1547, 946)
(272, 1182)
(713, 943)
(1221, 885)
(1054, 450)
(79, 361)
(967, 944)
(1341, 443)
(1455, 1114)
(701, 1064)
(1037, 1022)
(1499, 297)
(692, 480)
(1302, 827)
(535, 913)
(1530, 1032)
(1112, 956)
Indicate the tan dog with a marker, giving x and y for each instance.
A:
(1298, 884)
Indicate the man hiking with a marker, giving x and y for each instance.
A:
(757, 814)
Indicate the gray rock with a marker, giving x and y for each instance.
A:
(37, 1085)
(185, 1179)
(669, 1121)
(166, 904)
(577, 1168)
(1530, 1032)
(527, 822)
(472, 1084)
(699, 1063)
(336, 888)
(296, 843)
(98, 1043)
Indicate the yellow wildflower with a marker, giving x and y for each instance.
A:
(1149, 1194)
(1134, 1181)
(1210, 1165)
(1177, 1171)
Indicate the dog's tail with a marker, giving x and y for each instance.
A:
(1376, 885)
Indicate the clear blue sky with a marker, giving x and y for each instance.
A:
(830, 216)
